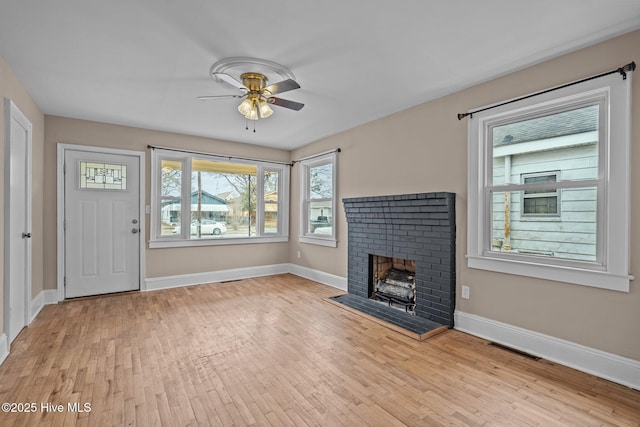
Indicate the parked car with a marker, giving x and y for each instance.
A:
(208, 226)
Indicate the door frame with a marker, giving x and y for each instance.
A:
(13, 112)
(62, 148)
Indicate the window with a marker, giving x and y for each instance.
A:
(205, 200)
(548, 185)
(540, 202)
(318, 184)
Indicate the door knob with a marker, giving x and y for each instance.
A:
(26, 235)
(135, 230)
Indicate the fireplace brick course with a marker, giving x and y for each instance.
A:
(419, 227)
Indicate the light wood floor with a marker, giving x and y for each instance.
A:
(272, 351)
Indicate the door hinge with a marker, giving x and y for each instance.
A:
(64, 281)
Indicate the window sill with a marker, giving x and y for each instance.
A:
(177, 243)
(560, 273)
(549, 218)
(318, 241)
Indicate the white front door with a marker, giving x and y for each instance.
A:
(101, 223)
(18, 224)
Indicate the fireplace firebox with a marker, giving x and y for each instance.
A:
(393, 280)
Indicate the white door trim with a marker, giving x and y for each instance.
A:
(12, 112)
(60, 207)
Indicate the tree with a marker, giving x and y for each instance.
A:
(171, 182)
(320, 182)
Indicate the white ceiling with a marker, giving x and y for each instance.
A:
(143, 62)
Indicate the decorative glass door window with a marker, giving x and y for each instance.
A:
(103, 176)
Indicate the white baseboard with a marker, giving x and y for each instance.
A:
(167, 282)
(337, 282)
(51, 296)
(4, 348)
(36, 305)
(605, 365)
(46, 296)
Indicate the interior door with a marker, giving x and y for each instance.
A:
(18, 223)
(102, 224)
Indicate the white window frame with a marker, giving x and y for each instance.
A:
(305, 166)
(611, 271)
(183, 239)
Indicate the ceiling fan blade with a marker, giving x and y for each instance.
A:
(292, 105)
(230, 80)
(206, 98)
(283, 86)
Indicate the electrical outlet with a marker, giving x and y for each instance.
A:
(298, 254)
(465, 292)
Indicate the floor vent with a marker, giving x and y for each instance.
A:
(515, 351)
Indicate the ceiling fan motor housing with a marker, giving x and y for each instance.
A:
(255, 82)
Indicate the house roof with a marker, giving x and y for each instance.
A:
(570, 122)
(207, 198)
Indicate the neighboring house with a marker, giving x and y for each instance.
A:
(211, 207)
(550, 149)
(228, 196)
(271, 210)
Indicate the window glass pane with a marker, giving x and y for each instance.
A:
(572, 235)
(565, 141)
(321, 181)
(170, 200)
(170, 217)
(271, 182)
(542, 201)
(320, 217)
(171, 178)
(540, 205)
(270, 217)
(223, 199)
(540, 179)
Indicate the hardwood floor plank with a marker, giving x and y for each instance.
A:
(271, 351)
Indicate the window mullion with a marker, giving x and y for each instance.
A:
(185, 212)
(260, 201)
(544, 186)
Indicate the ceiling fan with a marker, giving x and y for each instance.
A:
(257, 94)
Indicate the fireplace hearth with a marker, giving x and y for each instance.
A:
(401, 250)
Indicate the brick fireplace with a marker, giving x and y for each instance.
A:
(418, 229)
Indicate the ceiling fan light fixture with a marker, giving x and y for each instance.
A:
(265, 110)
(245, 107)
(253, 112)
